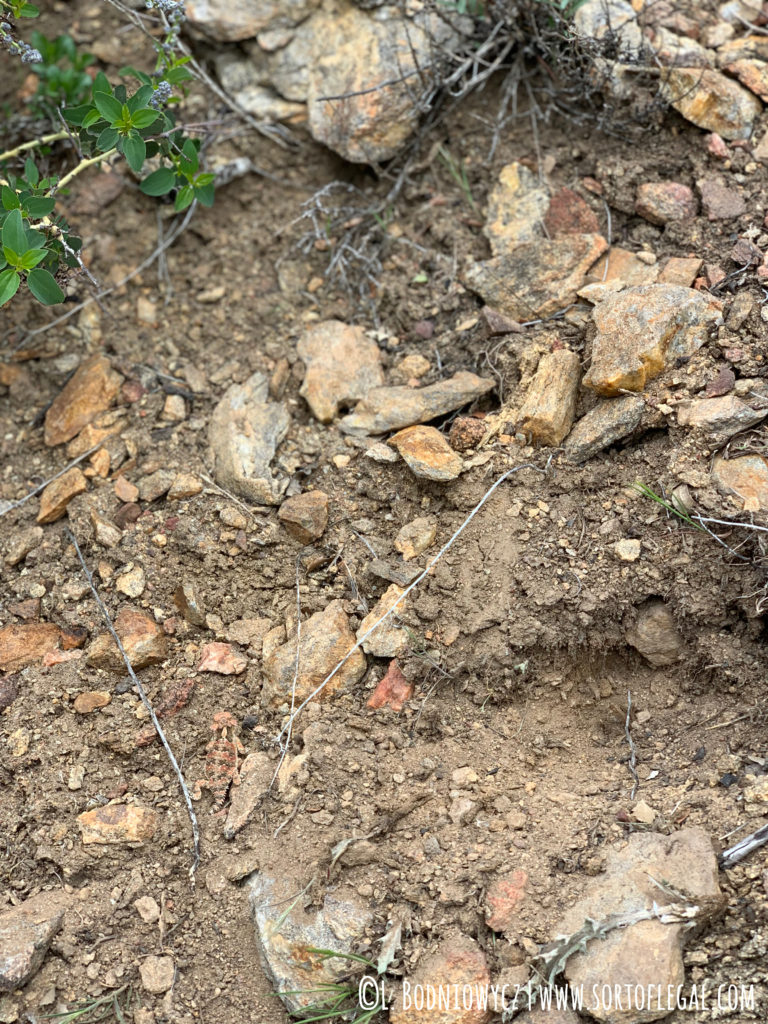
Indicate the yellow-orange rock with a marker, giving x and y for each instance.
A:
(58, 494)
(640, 329)
(680, 270)
(90, 391)
(26, 643)
(459, 961)
(517, 206)
(753, 74)
(427, 453)
(85, 703)
(142, 638)
(118, 823)
(623, 266)
(713, 102)
(745, 477)
(550, 405)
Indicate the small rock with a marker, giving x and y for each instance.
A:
(711, 101)
(723, 381)
(132, 582)
(427, 453)
(125, 490)
(402, 575)
(464, 777)
(58, 494)
(189, 601)
(256, 774)
(390, 639)
(640, 329)
(664, 201)
(655, 635)
(155, 485)
(412, 367)
(721, 416)
(244, 432)
(415, 537)
(680, 270)
(211, 295)
(517, 206)
(462, 810)
(499, 324)
(184, 485)
(392, 691)
(608, 422)
(221, 658)
(9, 691)
(568, 214)
(85, 703)
(503, 897)
(174, 409)
(719, 201)
(550, 405)
(648, 953)
(157, 973)
(249, 632)
(458, 962)
(105, 533)
(466, 433)
(147, 909)
(386, 409)
(76, 776)
(746, 477)
(118, 823)
(286, 935)
(539, 278)
(26, 643)
(644, 813)
(92, 389)
(146, 311)
(756, 796)
(751, 73)
(627, 550)
(325, 640)
(21, 543)
(305, 516)
(343, 365)
(379, 452)
(622, 267)
(143, 641)
(25, 934)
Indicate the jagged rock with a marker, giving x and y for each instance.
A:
(390, 639)
(415, 537)
(92, 389)
(711, 101)
(25, 643)
(662, 201)
(753, 74)
(325, 639)
(517, 206)
(640, 329)
(25, 934)
(118, 823)
(538, 277)
(609, 421)
(459, 962)
(58, 494)
(343, 365)
(394, 408)
(256, 774)
(655, 635)
(550, 405)
(427, 453)
(286, 934)
(244, 432)
(305, 516)
(624, 268)
(392, 691)
(229, 22)
(721, 416)
(21, 543)
(142, 638)
(719, 201)
(745, 477)
(647, 953)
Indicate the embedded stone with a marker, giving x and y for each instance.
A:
(655, 634)
(753, 74)
(228, 23)
(609, 421)
(390, 639)
(503, 898)
(92, 389)
(711, 101)
(517, 206)
(568, 214)
(142, 638)
(550, 406)
(58, 494)
(639, 330)
(458, 962)
(427, 453)
(157, 973)
(392, 691)
(745, 477)
(25, 643)
(305, 516)
(117, 823)
(415, 537)
(722, 416)
(681, 270)
(663, 201)
(189, 601)
(86, 703)
(25, 935)
(719, 201)
(221, 658)
(623, 267)
(343, 365)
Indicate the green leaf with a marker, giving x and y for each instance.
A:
(91, 118)
(43, 287)
(11, 257)
(29, 11)
(9, 198)
(135, 151)
(14, 236)
(106, 140)
(101, 84)
(34, 239)
(39, 206)
(109, 108)
(177, 75)
(204, 179)
(184, 197)
(31, 172)
(139, 98)
(144, 118)
(159, 182)
(128, 70)
(76, 115)
(32, 257)
(9, 285)
(205, 194)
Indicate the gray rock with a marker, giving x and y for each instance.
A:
(25, 934)
(720, 416)
(655, 635)
(385, 409)
(244, 433)
(343, 365)
(226, 21)
(609, 421)
(390, 639)
(285, 933)
(647, 953)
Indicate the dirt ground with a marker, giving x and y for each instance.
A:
(519, 652)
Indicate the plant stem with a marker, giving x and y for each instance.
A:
(98, 159)
(42, 141)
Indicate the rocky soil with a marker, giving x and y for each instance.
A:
(447, 689)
